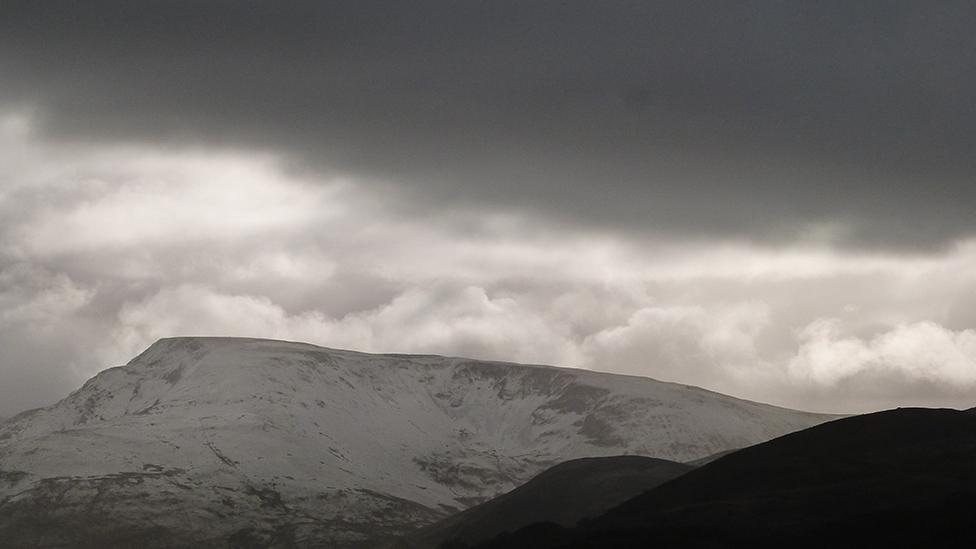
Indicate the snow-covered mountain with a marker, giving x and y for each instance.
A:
(217, 441)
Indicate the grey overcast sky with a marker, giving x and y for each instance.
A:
(769, 199)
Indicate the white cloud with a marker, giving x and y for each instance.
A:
(462, 321)
(35, 298)
(714, 347)
(168, 198)
(922, 351)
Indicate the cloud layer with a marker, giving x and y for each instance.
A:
(105, 248)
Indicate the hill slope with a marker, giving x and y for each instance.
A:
(901, 478)
(198, 441)
(565, 494)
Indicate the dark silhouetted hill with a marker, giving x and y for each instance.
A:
(564, 494)
(900, 478)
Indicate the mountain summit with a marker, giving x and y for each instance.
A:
(210, 441)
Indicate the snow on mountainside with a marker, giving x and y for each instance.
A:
(210, 441)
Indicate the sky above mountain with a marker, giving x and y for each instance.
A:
(772, 200)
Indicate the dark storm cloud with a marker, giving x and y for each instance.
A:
(746, 119)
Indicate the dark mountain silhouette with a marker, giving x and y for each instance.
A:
(900, 478)
(564, 494)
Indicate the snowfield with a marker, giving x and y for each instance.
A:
(217, 441)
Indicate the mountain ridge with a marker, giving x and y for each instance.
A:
(230, 339)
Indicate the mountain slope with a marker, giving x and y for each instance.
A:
(901, 478)
(565, 494)
(269, 443)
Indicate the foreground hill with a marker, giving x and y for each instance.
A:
(216, 441)
(565, 494)
(901, 478)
